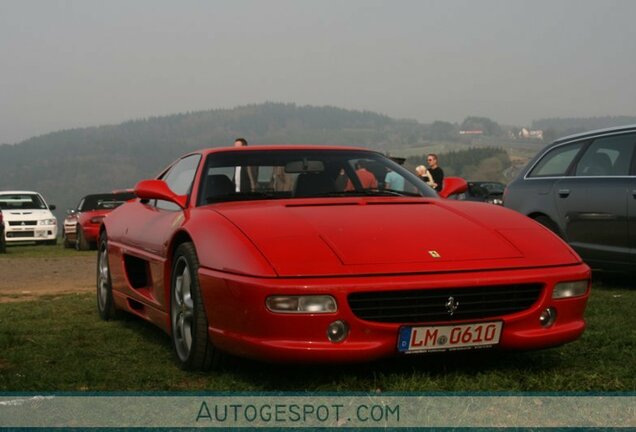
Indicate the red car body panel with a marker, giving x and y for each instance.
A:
(250, 250)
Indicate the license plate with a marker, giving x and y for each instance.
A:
(449, 337)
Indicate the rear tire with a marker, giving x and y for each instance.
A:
(189, 324)
(105, 302)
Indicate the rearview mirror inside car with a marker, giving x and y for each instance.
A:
(304, 165)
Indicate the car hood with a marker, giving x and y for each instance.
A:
(387, 236)
(26, 215)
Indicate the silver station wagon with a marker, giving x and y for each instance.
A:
(583, 187)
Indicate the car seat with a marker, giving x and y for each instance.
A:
(311, 184)
(217, 185)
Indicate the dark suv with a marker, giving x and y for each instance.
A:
(583, 187)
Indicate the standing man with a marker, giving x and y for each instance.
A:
(435, 171)
(244, 177)
(240, 142)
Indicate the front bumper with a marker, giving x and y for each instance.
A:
(240, 323)
(20, 233)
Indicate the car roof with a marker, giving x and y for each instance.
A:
(282, 147)
(626, 128)
(15, 192)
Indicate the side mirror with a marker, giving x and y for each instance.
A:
(453, 185)
(158, 189)
(52, 207)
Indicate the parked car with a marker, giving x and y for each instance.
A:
(312, 259)
(583, 187)
(81, 225)
(27, 217)
(2, 241)
(484, 191)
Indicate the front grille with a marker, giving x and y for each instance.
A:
(20, 234)
(430, 305)
(23, 223)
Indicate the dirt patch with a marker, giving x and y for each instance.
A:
(29, 278)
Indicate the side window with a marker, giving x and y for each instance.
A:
(557, 161)
(179, 179)
(610, 156)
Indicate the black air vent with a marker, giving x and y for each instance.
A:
(430, 305)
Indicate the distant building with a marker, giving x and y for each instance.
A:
(531, 134)
(471, 132)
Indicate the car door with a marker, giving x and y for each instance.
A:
(155, 221)
(592, 203)
(149, 230)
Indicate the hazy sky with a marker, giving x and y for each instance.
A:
(77, 63)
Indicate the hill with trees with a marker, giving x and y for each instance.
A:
(554, 128)
(68, 164)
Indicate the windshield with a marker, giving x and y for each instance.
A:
(21, 202)
(276, 174)
(104, 201)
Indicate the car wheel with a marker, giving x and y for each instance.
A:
(3, 249)
(81, 244)
(105, 303)
(549, 224)
(187, 314)
(66, 242)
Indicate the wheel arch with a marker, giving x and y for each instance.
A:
(536, 216)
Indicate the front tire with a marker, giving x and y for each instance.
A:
(81, 244)
(189, 323)
(65, 241)
(105, 303)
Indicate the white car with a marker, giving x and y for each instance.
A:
(27, 217)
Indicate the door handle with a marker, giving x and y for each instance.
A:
(634, 193)
(564, 193)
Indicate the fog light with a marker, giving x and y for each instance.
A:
(547, 317)
(570, 289)
(337, 331)
(302, 304)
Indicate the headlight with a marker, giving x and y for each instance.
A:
(48, 222)
(302, 304)
(569, 289)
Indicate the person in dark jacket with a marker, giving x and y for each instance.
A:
(436, 171)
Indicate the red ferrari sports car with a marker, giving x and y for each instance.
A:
(81, 225)
(310, 253)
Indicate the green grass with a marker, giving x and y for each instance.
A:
(40, 251)
(60, 344)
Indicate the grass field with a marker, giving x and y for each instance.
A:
(41, 251)
(60, 344)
